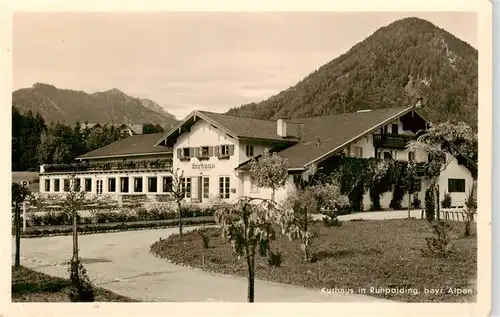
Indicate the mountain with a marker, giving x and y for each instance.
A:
(393, 67)
(110, 106)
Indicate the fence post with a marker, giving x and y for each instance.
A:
(24, 216)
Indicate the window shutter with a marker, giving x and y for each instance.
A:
(231, 149)
(210, 151)
(197, 151)
(217, 150)
(191, 152)
(179, 153)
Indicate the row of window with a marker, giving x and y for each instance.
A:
(152, 184)
(224, 187)
(209, 151)
(206, 151)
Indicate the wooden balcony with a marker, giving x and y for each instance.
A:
(392, 141)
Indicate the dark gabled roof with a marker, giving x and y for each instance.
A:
(334, 132)
(324, 136)
(236, 127)
(141, 144)
(246, 127)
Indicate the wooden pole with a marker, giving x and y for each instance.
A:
(24, 216)
(17, 219)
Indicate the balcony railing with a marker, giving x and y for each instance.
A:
(107, 166)
(392, 141)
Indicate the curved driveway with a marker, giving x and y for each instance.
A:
(121, 262)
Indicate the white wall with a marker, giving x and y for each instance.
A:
(455, 170)
(204, 134)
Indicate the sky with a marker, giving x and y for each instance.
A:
(186, 60)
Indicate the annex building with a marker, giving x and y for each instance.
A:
(212, 151)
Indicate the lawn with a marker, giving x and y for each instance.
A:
(32, 286)
(359, 255)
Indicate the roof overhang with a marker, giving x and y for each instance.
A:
(371, 130)
(187, 122)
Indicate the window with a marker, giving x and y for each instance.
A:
(456, 185)
(77, 184)
(152, 184)
(47, 185)
(112, 185)
(394, 128)
(224, 150)
(138, 184)
(185, 152)
(88, 184)
(224, 185)
(357, 151)
(249, 150)
(186, 185)
(124, 184)
(387, 156)
(167, 184)
(206, 187)
(411, 156)
(98, 187)
(57, 184)
(204, 151)
(66, 185)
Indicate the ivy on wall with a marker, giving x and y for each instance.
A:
(357, 176)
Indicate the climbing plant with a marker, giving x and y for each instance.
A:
(356, 176)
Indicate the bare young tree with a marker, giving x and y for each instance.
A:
(269, 171)
(179, 193)
(248, 225)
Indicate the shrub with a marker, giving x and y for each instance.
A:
(416, 201)
(81, 287)
(446, 202)
(429, 204)
(331, 222)
(440, 244)
(205, 238)
(274, 259)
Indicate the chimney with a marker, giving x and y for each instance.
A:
(300, 132)
(281, 127)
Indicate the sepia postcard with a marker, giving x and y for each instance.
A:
(245, 158)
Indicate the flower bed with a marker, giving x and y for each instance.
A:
(383, 254)
(162, 212)
(114, 227)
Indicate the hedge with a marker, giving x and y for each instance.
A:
(113, 227)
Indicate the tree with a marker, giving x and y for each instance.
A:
(179, 193)
(248, 225)
(19, 194)
(71, 203)
(311, 197)
(442, 143)
(152, 128)
(269, 171)
(470, 211)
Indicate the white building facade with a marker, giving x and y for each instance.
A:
(211, 151)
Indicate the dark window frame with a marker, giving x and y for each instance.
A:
(112, 185)
(152, 184)
(456, 185)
